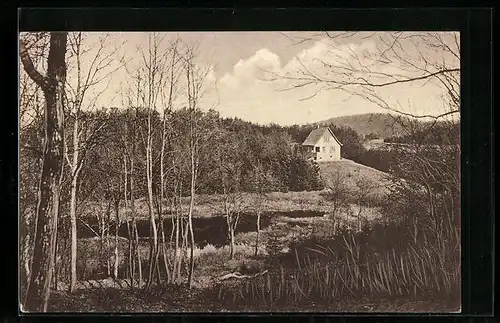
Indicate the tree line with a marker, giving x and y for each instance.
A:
(431, 133)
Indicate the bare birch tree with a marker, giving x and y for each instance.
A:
(194, 158)
(129, 141)
(152, 78)
(135, 234)
(177, 211)
(261, 183)
(168, 96)
(228, 169)
(82, 93)
(195, 78)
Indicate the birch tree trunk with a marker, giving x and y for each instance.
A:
(117, 227)
(192, 149)
(193, 87)
(162, 162)
(108, 247)
(175, 232)
(154, 238)
(229, 220)
(74, 186)
(129, 231)
(258, 232)
(231, 241)
(74, 167)
(177, 265)
(162, 197)
(190, 218)
(134, 222)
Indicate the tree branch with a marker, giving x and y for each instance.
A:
(29, 67)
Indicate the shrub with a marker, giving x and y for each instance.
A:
(273, 245)
(212, 256)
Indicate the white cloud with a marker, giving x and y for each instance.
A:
(253, 69)
(243, 94)
(229, 80)
(309, 57)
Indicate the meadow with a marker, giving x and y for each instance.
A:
(308, 258)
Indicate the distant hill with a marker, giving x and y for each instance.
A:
(380, 124)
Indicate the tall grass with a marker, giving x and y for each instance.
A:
(386, 261)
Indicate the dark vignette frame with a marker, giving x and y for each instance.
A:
(475, 26)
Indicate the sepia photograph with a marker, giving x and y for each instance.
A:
(216, 172)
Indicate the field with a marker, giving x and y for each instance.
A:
(212, 205)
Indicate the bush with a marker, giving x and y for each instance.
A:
(304, 175)
(213, 256)
(378, 159)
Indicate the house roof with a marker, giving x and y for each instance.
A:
(316, 134)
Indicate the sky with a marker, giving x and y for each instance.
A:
(236, 85)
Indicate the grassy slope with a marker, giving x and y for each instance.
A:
(352, 172)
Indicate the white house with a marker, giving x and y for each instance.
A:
(322, 145)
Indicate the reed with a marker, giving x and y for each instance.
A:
(382, 263)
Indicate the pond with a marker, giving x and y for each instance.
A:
(207, 230)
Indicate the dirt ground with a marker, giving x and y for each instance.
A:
(181, 299)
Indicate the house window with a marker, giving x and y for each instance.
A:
(324, 150)
(317, 149)
(332, 149)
